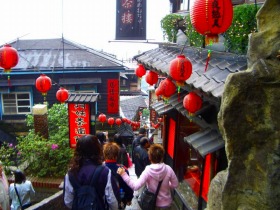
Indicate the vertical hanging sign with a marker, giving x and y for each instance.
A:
(79, 122)
(131, 20)
(113, 96)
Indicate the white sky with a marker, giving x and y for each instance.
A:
(88, 22)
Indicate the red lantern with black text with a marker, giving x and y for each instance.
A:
(140, 71)
(111, 121)
(151, 78)
(118, 121)
(43, 84)
(8, 57)
(211, 17)
(180, 69)
(62, 95)
(102, 118)
(192, 102)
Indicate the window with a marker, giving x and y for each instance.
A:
(16, 103)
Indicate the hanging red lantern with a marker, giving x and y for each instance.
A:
(124, 119)
(180, 69)
(128, 121)
(8, 57)
(168, 88)
(160, 119)
(140, 71)
(102, 118)
(158, 91)
(211, 17)
(111, 121)
(192, 102)
(118, 122)
(43, 84)
(62, 95)
(151, 78)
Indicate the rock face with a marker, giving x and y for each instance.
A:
(249, 120)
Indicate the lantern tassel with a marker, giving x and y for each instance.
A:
(207, 61)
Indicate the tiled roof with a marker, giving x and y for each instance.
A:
(82, 97)
(130, 105)
(211, 81)
(53, 54)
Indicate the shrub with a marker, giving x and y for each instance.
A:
(45, 157)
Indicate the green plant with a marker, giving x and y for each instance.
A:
(244, 22)
(170, 27)
(44, 157)
(195, 38)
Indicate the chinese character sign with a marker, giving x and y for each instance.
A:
(79, 121)
(113, 96)
(131, 20)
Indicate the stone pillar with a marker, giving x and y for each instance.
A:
(41, 120)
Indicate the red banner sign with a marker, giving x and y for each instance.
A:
(113, 96)
(79, 121)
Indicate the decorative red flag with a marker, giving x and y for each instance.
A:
(113, 96)
(79, 122)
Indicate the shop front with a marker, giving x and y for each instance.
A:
(194, 145)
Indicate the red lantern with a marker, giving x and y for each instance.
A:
(8, 57)
(192, 102)
(168, 88)
(158, 91)
(43, 84)
(124, 119)
(140, 71)
(180, 69)
(151, 78)
(160, 119)
(62, 95)
(111, 121)
(211, 17)
(128, 121)
(118, 122)
(102, 118)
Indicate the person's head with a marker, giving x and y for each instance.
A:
(118, 139)
(156, 153)
(144, 142)
(88, 147)
(142, 131)
(19, 176)
(101, 136)
(111, 151)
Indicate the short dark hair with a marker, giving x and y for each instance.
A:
(118, 139)
(19, 176)
(142, 130)
(143, 141)
(101, 137)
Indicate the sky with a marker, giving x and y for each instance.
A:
(88, 22)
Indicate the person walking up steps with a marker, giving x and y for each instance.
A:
(152, 175)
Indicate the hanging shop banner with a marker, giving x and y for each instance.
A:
(79, 122)
(131, 20)
(113, 96)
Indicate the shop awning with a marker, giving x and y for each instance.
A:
(206, 141)
(161, 107)
(82, 97)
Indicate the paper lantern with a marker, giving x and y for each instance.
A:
(128, 121)
(43, 84)
(62, 95)
(151, 78)
(180, 69)
(102, 118)
(211, 17)
(192, 102)
(168, 88)
(111, 121)
(140, 71)
(8, 57)
(124, 119)
(118, 122)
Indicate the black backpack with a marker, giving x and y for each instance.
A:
(86, 196)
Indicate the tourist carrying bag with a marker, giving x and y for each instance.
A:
(22, 207)
(147, 200)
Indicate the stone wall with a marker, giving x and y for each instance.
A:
(249, 120)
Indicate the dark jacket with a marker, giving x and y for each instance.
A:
(141, 159)
(135, 143)
(105, 182)
(122, 185)
(122, 157)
